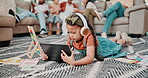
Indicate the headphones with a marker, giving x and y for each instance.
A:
(85, 29)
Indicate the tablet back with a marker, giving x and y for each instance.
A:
(53, 51)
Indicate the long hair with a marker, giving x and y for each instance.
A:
(91, 29)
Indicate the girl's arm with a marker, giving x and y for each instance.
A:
(86, 60)
(89, 57)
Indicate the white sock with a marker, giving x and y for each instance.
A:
(131, 50)
(118, 35)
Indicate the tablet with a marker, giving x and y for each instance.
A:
(53, 51)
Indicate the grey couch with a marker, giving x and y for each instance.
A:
(8, 27)
(134, 22)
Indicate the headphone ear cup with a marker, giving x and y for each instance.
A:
(84, 31)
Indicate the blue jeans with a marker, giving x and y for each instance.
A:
(115, 11)
(41, 16)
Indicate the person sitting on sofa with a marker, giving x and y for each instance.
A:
(54, 17)
(113, 12)
(67, 8)
(39, 11)
(89, 11)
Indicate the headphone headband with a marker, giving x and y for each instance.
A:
(85, 28)
(83, 19)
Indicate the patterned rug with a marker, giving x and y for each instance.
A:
(109, 68)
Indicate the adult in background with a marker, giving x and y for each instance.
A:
(67, 8)
(39, 11)
(89, 11)
(113, 12)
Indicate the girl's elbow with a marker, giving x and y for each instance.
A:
(90, 60)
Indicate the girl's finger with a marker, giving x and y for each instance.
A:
(72, 53)
(64, 53)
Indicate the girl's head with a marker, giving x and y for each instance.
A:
(74, 25)
(77, 26)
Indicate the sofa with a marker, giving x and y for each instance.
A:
(8, 27)
(135, 20)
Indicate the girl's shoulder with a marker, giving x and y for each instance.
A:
(90, 40)
(89, 35)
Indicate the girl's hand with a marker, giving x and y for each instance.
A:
(44, 56)
(68, 59)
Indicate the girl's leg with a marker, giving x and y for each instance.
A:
(58, 29)
(121, 41)
(113, 8)
(117, 37)
(50, 28)
(113, 39)
(128, 40)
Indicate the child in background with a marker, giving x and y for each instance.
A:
(81, 37)
(54, 17)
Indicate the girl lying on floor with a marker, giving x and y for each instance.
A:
(81, 37)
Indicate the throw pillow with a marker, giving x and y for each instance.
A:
(128, 3)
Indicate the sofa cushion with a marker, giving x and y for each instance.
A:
(4, 19)
(6, 5)
(117, 21)
(139, 2)
(128, 3)
(29, 21)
